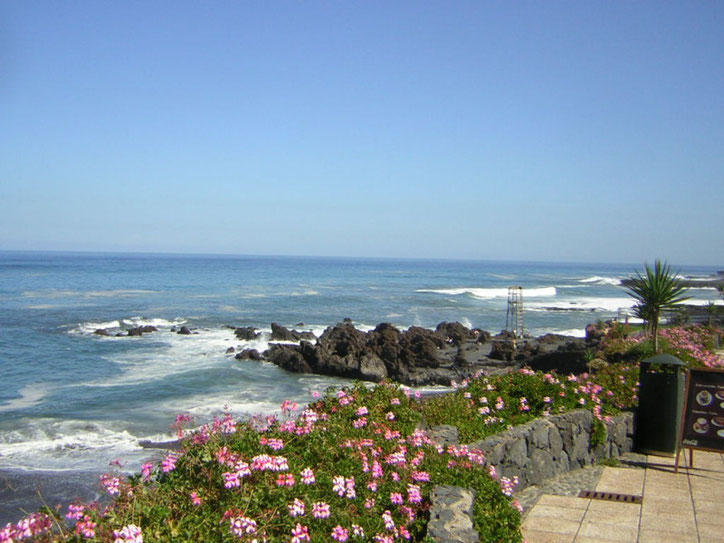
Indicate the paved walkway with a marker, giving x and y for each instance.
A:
(687, 507)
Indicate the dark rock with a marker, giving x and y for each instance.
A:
(184, 331)
(342, 340)
(101, 332)
(287, 357)
(249, 354)
(246, 333)
(502, 350)
(140, 330)
(453, 332)
(481, 336)
(230, 350)
(280, 333)
(372, 368)
(418, 348)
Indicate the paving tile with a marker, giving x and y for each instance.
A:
(664, 505)
(615, 509)
(608, 532)
(659, 536)
(563, 501)
(605, 520)
(589, 539)
(703, 507)
(540, 511)
(537, 536)
(550, 524)
(712, 520)
(710, 533)
(671, 522)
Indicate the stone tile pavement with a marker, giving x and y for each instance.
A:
(687, 507)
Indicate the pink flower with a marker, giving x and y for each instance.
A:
(320, 510)
(169, 463)
(195, 499)
(339, 533)
(300, 533)
(396, 498)
(361, 411)
(75, 512)
(357, 531)
(285, 479)
(146, 470)
(413, 494)
(111, 484)
(390, 416)
(420, 476)
(308, 476)
(395, 401)
(128, 534)
(360, 423)
(241, 526)
(86, 527)
(231, 480)
(296, 508)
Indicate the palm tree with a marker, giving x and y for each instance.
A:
(656, 291)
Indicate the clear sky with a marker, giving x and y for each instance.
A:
(563, 130)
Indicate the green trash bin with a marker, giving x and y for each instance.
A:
(661, 401)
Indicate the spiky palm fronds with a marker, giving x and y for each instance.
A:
(655, 291)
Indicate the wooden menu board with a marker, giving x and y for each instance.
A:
(703, 419)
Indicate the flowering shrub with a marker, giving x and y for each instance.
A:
(353, 466)
(692, 344)
(483, 406)
(312, 477)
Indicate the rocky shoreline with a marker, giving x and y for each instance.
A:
(414, 357)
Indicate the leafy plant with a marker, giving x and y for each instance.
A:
(655, 291)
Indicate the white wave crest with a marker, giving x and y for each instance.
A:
(86, 328)
(598, 280)
(50, 444)
(490, 293)
(611, 305)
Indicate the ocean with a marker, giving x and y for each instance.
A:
(72, 401)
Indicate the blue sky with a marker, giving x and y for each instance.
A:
(566, 130)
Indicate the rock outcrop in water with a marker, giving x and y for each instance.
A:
(416, 356)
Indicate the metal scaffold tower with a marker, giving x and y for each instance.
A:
(514, 317)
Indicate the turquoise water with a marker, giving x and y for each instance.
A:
(72, 400)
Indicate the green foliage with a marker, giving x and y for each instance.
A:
(488, 405)
(598, 433)
(655, 291)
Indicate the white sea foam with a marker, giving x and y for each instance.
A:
(573, 332)
(489, 293)
(583, 304)
(30, 395)
(50, 444)
(168, 354)
(86, 328)
(598, 280)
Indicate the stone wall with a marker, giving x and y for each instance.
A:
(533, 452)
(544, 448)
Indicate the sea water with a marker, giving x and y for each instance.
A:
(72, 401)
